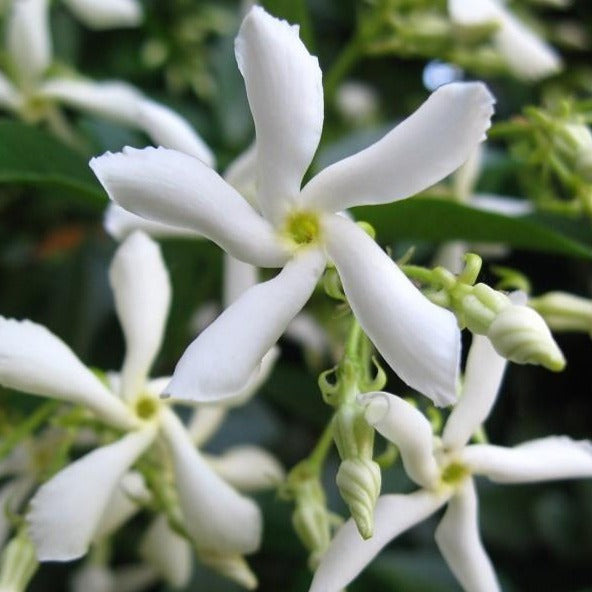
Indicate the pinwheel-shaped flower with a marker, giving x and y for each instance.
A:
(526, 54)
(299, 229)
(67, 512)
(443, 468)
(28, 90)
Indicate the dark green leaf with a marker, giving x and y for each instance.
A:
(32, 157)
(437, 220)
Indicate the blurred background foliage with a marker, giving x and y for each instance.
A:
(54, 254)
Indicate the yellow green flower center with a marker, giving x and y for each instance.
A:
(146, 407)
(454, 473)
(302, 228)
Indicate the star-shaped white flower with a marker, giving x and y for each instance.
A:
(444, 468)
(68, 511)
(527, 55)
(300, 229)
(28, 91)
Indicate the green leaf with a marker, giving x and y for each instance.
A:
(437, 220)
(30, 156)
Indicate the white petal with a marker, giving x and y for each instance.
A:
(285, 92)
(28, 39)
(178, 189)
(458, 538)
(66, 511)
(451, 255)
(120, 223)
(419, 340)
(123, 504)
(35, 361)
(528, 56)
(475, 12)
(248, 468)
(168, 552)
(107, 14)
(423, 149)
(167, 128)
(217, 517)
(405, 426)
(142, 292)
(238, 278)
(483, 377)
(115, 101)
(349, 554)
(224, 357)
(93, 578)
(466, 176)
(9, 94)
(544, 459)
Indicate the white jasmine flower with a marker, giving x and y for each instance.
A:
(526, 54)
(70, 509)
(300, 229)
(444, 468)
(28, 91)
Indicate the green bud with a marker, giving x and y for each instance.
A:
(18, 564)
(564, 312)
(353, 435)
(478, 306)
(233, 567)
(520, 334)
(359, 482)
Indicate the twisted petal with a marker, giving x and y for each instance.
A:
(216, 516)
(285, 92)
(168, 552)
(28, 38)
(115, 101)
(34, 360)
(223, 359)
(120, 223)
(423, 149)
(242, 174)
(248, 468)
(107, 14)
(142, 292)
(483, 376)
(544, 459)
(66, 511)
(419, 340)
(175, 188)
(458, 538)
(409, 430)
(349, 554)
(167, 128)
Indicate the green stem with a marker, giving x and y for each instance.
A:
(319, 454)
(27, 427)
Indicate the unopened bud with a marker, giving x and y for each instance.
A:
(233, 567)
(480, 306)
(359, 483)
(564, 312)
(521, 335)
(18, 564)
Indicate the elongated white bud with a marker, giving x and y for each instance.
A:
(233, 567)
(359, 483)
(521, 335)
(18, 564)
(564, 312)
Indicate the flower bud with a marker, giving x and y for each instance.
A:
(564, 312)
(480, 306)
(359, 483)
(18, 564)
(520, 334)
(233, 567)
